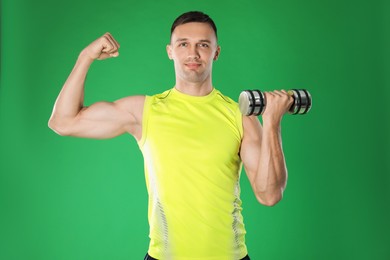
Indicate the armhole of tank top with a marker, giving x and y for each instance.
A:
(145, 119)
(241, 132)
(239, 122)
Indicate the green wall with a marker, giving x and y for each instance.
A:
(69, 198)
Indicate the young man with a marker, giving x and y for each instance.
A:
(194, 141)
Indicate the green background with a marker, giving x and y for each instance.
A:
(69, 198)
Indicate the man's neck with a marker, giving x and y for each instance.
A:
(194, 88)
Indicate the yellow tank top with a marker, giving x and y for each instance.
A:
(192, 169)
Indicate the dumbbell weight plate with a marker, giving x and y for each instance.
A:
(251, 102)
(302, 101)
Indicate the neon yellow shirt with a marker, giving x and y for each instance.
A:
(192, 169)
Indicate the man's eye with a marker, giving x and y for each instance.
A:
(183, 44)
(204, 45)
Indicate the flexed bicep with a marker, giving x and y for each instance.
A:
(104, 120)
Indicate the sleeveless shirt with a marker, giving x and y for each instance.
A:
(190, 146)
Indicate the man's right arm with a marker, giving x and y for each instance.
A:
(102, 119)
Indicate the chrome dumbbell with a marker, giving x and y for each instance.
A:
(253, 102)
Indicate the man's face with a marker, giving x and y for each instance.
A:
(193, 48)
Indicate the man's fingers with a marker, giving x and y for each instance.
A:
(113, 45)
(279, 95)
(105, 55)
(113, 41)
(102, 48)
(107, 45)
(114, 54)
(280, 92)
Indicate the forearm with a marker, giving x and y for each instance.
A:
(271, 175)
(71, 98)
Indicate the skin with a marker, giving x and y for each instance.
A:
(193, 49)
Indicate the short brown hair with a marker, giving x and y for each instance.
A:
(194, 16)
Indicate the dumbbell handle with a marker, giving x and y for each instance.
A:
(253, 102)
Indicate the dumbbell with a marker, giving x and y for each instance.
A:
(253, 102)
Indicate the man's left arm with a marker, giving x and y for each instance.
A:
(262, 152)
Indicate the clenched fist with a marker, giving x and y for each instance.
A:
(102, 48)
(278, 103)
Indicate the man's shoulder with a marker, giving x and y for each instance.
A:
(226, 99)
(131, 100)
(159, 96)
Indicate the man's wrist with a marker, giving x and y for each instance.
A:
(270, 124)
(84, 57)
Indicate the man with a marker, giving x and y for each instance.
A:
(193, 140)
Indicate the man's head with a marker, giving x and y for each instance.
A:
(194, 17)
(193, 47)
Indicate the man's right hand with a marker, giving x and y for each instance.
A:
(102, 48)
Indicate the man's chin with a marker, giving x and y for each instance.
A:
(194, 76)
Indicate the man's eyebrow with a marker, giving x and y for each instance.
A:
(181, 39)
(186, 39)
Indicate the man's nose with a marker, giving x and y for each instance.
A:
(193, 52)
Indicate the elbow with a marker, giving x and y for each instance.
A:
(269, 200)
(57, 127)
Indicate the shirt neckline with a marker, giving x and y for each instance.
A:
(191, 98)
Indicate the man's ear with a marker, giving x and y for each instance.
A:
(217, 52)
(169, 51)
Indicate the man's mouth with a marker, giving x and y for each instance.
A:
(193, 65)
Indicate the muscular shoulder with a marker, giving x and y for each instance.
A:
(130, 103)
(133, 105)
